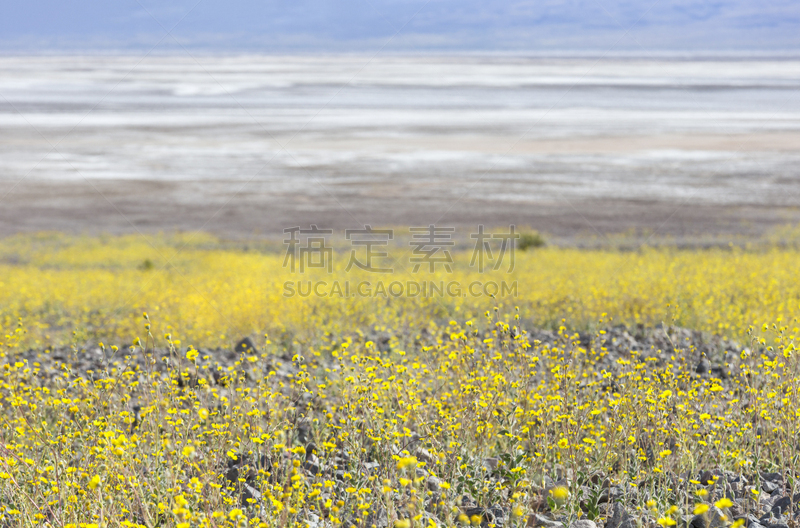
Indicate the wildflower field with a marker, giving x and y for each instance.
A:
(171, 381)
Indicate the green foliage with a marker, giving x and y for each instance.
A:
(530, 240)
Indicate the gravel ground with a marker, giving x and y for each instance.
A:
(612, 505)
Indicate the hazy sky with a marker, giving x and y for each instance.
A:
(400, 25)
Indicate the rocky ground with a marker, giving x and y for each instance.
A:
(757, 500)
(707, 352)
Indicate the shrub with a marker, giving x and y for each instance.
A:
(530, 240)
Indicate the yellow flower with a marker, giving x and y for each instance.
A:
(559, 493)
(723, 503)
(700, 509)
(406, 462)
(94, 482)
(402, 523)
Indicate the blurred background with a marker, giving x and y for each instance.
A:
(585, 120)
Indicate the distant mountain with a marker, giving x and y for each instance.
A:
(394, 25)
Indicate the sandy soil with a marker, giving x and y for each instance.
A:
(579, 149)
(242, 209)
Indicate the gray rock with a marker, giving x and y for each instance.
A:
(424, 455)
(491, 463)
(707, 478)
(311, 465)
(583, 523)
(703, 367)
(772, 477)
(248, 493)
(312, 520)
(247, 346)
(713, 518)
(748, 519)
(769, 486)
(499, 514)
(771, 519)
(782, 506)
(536, 520)
(378, 518)
(620, 518)
(609, 494)
(433, 483)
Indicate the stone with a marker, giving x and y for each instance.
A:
(248, 493)
(311, 465)
(703, 366)
(536, 520)
(748, 519)
(467, 502)
(713, 518)
(312, 520)
(583, 523)
(783, 506)
(246, 345)
(378, 518)
(424, 455)
(609, 494)
(769, 486)
(433, 483)
(499, 514)
(706, 478)
(491, 463)
(620, 518)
